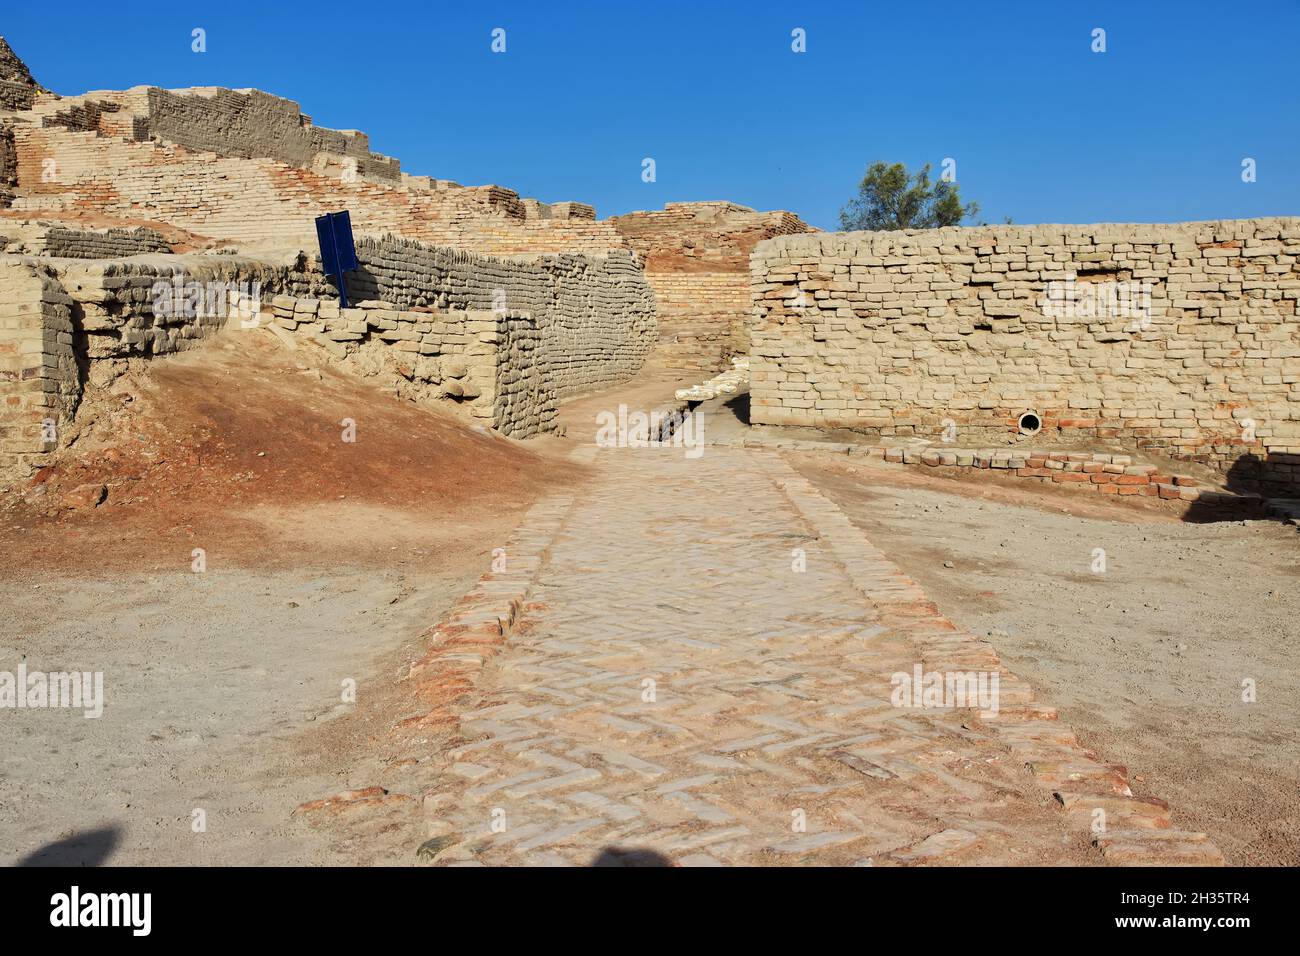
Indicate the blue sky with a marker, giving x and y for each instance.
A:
(1042, 128)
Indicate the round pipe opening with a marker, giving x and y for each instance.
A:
(1030, 423)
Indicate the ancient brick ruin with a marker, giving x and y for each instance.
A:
(893, 334)
(697, 261)
(468, 294)
(695, 532)
(899, 333)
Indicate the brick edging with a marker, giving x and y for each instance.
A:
(476, 628)
(1104, 472)
(1137, 830)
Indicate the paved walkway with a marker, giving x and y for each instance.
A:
(703, 671)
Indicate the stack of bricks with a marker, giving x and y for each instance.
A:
(894, 333)
(487, 360)
(697, 260)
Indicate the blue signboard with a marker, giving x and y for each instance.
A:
(338, 254)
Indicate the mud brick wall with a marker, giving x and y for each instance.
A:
(8, 165)
(64, 323)
(488, 361)
(38, 370)
(61, 242)
(697, 261)
(596, 313)
(251, 124)
(114, 301)
(18, 88)
(702, 317)
(236, 194)
(15, 96)
(896, 332)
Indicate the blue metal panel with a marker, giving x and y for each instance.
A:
(338, 253)
(325, 237)
(343, 245)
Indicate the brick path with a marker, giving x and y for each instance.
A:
(674, 685)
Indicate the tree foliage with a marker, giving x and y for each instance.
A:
(891, 198)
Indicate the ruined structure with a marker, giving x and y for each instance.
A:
(245, 167)
(1183, 337)
(697, 260)
(467, 294)
(1188, 343)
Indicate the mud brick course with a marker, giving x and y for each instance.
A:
(38, 372)
(892, 333)
(57, 241)
(18, 89)
(486, 360)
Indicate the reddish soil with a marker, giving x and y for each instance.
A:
(238, 447)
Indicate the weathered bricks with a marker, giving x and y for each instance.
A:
(898, 332)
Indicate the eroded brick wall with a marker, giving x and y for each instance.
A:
(39, 387)
(490, 361)
(697, 261)
(896, 332)
(64, 323)
(251, 124)
(597, 312)
(8, 165)
(92, 155)
(61, 242)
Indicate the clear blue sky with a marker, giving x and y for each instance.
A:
(1042, 128)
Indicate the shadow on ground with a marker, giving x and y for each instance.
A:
(622, 856)
(90, 848)
(1272, 476)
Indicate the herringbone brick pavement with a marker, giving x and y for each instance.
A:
(703, 669)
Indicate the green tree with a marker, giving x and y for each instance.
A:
(891, 198)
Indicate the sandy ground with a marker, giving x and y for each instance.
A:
(221, 695)
(1145, 660)
(325, 562)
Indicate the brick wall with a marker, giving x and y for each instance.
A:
(65, 322)
(61, 242)
(486, 360)
(893, 333)
(251, 124)
(697, 261)
(215, 172)
(509, 337)
(597, 312)
(39, 386)
(8, 165)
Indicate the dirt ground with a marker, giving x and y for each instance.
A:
(324, 562)
(1145, 660)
